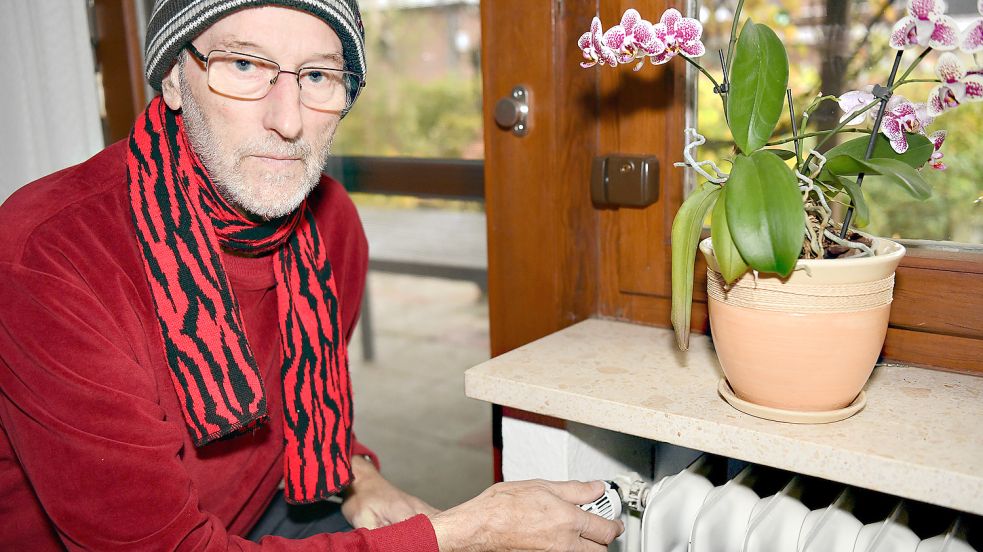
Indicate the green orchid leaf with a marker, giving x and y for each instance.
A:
(758, 78)
(783, 153)
(894, 171)
(861, 213)
(764, 212)
(919, 150)
(732, 266)
(686, 229)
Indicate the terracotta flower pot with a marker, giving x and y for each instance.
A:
(807, 343)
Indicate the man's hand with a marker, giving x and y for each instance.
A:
(372, 502)
(527, 515)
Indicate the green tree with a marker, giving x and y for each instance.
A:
(414, 107)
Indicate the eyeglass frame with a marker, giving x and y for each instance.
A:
(359, 77)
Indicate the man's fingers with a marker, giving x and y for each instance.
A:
(576, 492)
(366, 520)
(590, 546)
(600, 530)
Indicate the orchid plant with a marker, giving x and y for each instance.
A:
(774, 205)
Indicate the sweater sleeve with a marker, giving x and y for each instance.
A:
(103, 461)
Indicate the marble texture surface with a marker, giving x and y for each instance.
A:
(920, 436)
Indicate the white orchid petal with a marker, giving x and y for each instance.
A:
(853, 101)
(950, 69)
(923, 31)
(944, 34)
(973, 88)
(972, 38)
(922, 116)
(936, 101)
(925, 9)
(903, 34)
(629, 19)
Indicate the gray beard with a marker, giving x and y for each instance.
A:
(278, 195)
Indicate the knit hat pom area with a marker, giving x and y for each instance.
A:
(174, 23)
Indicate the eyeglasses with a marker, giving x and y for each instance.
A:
(249, 77)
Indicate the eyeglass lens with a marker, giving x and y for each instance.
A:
(251, 78)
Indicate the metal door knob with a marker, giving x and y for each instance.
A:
(512, 112)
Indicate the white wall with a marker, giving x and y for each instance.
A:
(580, 452)
(49, 108)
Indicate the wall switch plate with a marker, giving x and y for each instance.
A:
(625, 181)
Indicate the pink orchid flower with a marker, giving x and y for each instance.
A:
(935, 161)
(903, 116)
(633, 39)
(679, 34)
(972, 39)
(956, 86)
(855, 100)
(594, 49)
(925, 25)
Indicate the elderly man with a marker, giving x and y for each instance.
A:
(175, 314)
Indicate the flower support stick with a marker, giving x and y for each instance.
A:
(795, 132)
(723, 68)
(877, 126)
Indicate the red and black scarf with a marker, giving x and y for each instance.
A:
(182, 222)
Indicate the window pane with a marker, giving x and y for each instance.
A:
(423, 92)
(839, 45)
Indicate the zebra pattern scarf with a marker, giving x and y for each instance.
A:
(181, 224)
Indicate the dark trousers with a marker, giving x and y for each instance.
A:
(299, 521)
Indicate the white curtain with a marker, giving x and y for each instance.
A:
(49, 107)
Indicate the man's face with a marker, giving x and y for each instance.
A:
(264, 155)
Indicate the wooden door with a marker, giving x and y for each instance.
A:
(554, 258)
(120, 60)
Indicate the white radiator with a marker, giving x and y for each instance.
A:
(758, 509)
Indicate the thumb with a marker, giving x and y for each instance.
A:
(577, 492)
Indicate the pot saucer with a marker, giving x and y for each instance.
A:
(790, 416)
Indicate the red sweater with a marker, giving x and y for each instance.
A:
(94, 451)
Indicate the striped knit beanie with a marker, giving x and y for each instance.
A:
(174, 23)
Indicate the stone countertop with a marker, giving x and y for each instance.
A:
(920, 435)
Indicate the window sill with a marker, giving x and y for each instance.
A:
(912, 439)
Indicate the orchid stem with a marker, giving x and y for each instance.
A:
(839, 127)
(733, 32)
(716, 86)
(807, 112)
(916, 80)
(813, 134)
(702, 70)
(910, 68)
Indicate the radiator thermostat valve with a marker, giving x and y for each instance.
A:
(608, 505)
